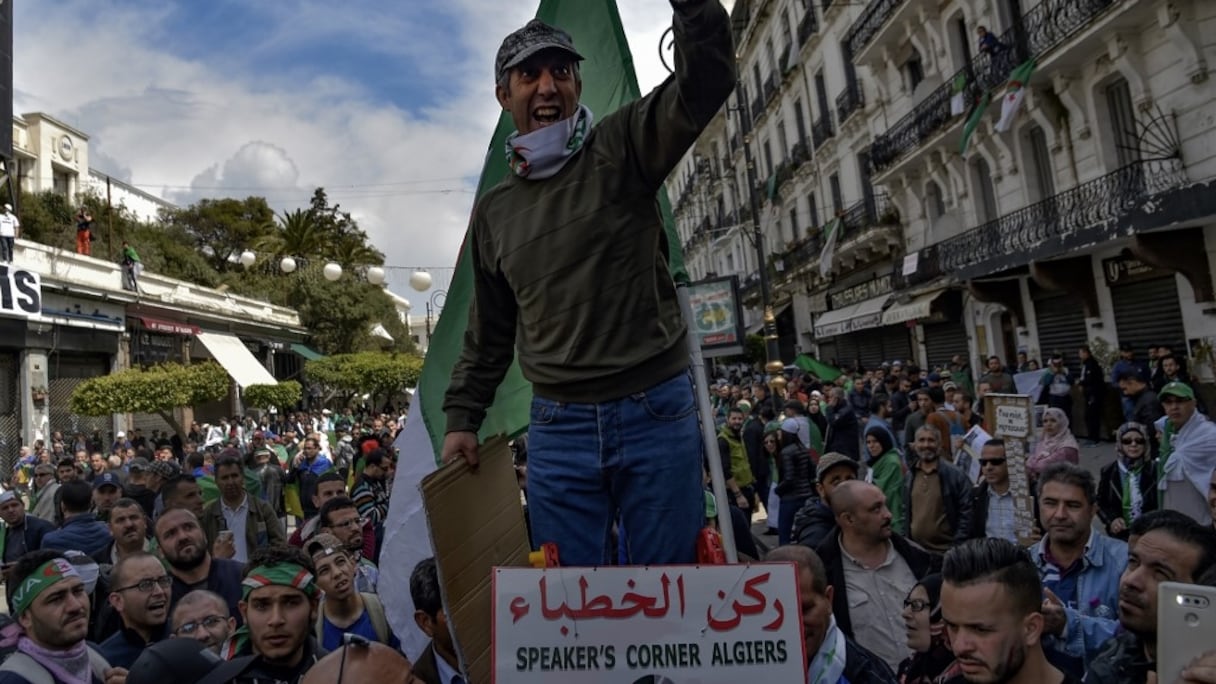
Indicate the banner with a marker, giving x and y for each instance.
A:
(707, 624)
(717, 316)
(20, 292)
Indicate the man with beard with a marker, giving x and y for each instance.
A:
(140, 594)
(279, 606)
(344, 609)
(735, 467)
(1079, 569)
(184, 548)
(51, 605)
(1188, 454)
(107, 489)
(202, 615)
(990, 604)
(815, 521)
(831, 657)
(129, 528)
(340, 518)
(252, 522)
(872, 570)
(1169, 547)
(937, 497)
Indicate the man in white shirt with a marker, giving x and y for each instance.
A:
(10, 230)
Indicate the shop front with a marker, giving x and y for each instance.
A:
(1146, 305)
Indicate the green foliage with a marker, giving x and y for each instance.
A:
(375, 373)
(283, 395)
(152, 390)
(340, 314)
(223, 228)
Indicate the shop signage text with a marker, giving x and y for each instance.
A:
(20, 292)
(861, 292)
(1122, 270)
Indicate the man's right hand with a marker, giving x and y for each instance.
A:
(458, 445)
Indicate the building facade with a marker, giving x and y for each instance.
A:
(904, 220)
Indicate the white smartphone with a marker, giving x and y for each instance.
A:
(1186, 626)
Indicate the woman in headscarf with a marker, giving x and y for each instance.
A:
(1055, 444)
(887, 471)
(927, 639)
(1127, 488)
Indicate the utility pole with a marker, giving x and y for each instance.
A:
(774, 367)
(109, 222)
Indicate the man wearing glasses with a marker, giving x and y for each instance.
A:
(341, 518)
(203, 615)
(993, 507)
(140, 595)
(42, 496)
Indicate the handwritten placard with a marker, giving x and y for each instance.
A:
(727, 623)
(1012, 420)
(1012, 415)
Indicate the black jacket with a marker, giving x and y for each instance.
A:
(250, 669)
(956, 495)
(862, 666)
(753, 444)
(814, 523)
(797, 472)
(920, 562)
(1121, 661)
(1093, 381)
(900, 408)
(1110, 494)
(844, 435)
(32, 532)
(1146, 410)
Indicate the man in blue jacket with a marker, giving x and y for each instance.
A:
(81, 530)
(21, 532)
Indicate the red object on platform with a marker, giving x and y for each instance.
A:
(545, 558)
(709, 547)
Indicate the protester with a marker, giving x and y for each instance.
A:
(736, 468)
(844, 432)
(1056, 444)
(177, 661)
(1093, 388)
(994, 508)
(252, 522)
(306, 469)
(340, 518)
(816, 522)
(1143, 406)
(21, 532)
(184, 548)
(81, 530)
(937, 497)
(1056, 383)
(203, 616)
(44, 493)
(1188, 454)
(1127, 487)
(797, 478)
(132, 267)
(438, 664)
(887, 471)
(139, 594)
(371, 492)
(931, 655)
(344, 609)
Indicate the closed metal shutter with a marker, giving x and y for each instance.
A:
(10, 413)
(1061, 322)
(827, 352)
(1147, 313)
(869, 348)
(943, 341)
(840, 351)
(65, 372)
(896, 343)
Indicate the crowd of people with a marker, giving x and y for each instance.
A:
(110, 555)
(909, 536)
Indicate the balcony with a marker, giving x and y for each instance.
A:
(800, 155)
(808, 27)
(749, 287)
(822, 131)
(933, 116)
(770, 87)
(850, 100)
(873, 19)
(757, 108)
(1089, 213)
(1052, 22)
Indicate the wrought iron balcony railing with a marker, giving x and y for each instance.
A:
(1052, 22)
(872, 19)
(801, 154)
(932, 115)
(750, 287)
(865, 213)
(850, 100)
(808, 26)
(821, 130)
(770, 87)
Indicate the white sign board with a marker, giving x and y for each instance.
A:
(1013, 421)
(20, 292)
(704, 624)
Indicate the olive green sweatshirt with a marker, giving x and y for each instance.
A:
(571, 272)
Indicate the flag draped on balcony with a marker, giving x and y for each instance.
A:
(1015, 94)
(973, 121)
(608, 83)
(830, 233)
(958, 95)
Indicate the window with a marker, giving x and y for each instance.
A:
(986, 208)
(798, 118)
(795, 232)
(837, 198)
(962, 48)
(772, 55)
(814, 210)
(821, 91)
(914, 71)
(1042, 185)
(768, 160)
(783, 144)
(935, 206)
(1124, 135)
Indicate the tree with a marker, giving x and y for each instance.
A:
(158, 389)
(379, 374)
(297, 234)
(283, 395)
(223, 228)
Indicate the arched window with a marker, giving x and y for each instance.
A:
(983, 191)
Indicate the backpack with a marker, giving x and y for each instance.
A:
(375, 613)
(28, 669)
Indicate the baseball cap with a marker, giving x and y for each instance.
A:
(165, 469)
(120, 434)
(949, 385)
(935, 377)
(324, 543)
(139, 464)
(832, 459)
(106, 480)
(1177, 389)
(7, 496)
(182, 661)
(1133, 373)
(535, 36)
(789, 425)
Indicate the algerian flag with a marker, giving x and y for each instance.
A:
(973, 121)
(608, 83)
(1015, 93)
(767, 218)
(791, 57)
(958, 97)
(831, 231)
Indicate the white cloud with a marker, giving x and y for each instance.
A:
(191, 128)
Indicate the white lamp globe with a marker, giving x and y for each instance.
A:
(375, 275)
(420, 280)
(248, 258)
(332, 271)
(287, 265)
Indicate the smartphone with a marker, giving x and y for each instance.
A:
(225, 536)
(1186, 621)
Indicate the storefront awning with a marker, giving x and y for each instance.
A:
(307, 352)
(758, 327)
(172, 327)
(234, 356)
(860, 316)
(918, 308)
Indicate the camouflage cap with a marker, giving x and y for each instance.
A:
(535, 36)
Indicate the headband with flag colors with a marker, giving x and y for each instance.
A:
(279, 575)
(47, 575)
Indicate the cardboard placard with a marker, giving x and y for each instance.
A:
(1012, 419)
(476, 523)
(707, 624)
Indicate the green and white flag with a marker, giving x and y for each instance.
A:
(1015, 94)
(973, 121)
(958, 95)
(831, 232)
(608, 83)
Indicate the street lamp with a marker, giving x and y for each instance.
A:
(421, 281)
(375, 275)
(248, 258)
(332, 271)
(287, 265)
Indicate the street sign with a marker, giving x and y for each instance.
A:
(675, 623)
(1012, 419)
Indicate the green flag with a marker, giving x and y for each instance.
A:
(817, 368)
(973, 121)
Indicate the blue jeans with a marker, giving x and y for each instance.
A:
(785, 517)
(639, 456)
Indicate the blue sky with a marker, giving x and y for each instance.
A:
(388, 104)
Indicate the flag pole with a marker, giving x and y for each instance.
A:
(701, 388)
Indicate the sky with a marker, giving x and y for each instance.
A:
(387, 104)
